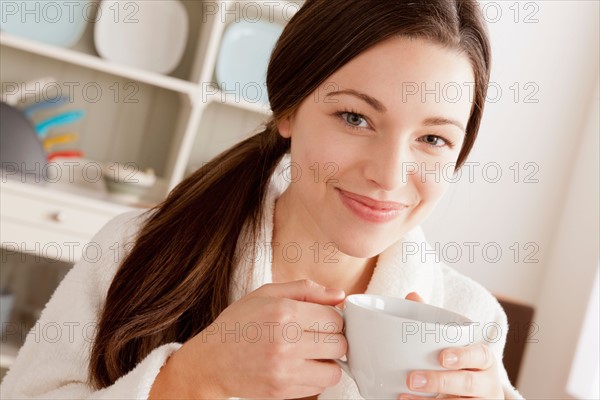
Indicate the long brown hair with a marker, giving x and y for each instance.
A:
(176, 279)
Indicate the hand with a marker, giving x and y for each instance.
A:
(278, 341)
(473, 374)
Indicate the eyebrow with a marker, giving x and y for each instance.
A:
(379, 107)
(433, 121)
(373, 102)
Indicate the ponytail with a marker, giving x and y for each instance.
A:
(176, 279)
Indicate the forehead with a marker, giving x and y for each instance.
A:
(407, 71)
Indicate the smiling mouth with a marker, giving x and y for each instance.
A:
(369, 213)
(372, 203)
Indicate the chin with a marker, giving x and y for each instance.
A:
(361, 248)
(361, 243)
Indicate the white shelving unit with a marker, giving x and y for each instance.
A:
(178, 104)
(95, 63)
(170, 123)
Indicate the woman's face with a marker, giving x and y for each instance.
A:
(386, 148)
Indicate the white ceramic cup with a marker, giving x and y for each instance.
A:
(390, 337)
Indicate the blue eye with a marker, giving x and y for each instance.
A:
(436, 139)
(351, 119)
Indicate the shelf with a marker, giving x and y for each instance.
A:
(227, 126)
(229, 99)
(99, 64)
(91, 195)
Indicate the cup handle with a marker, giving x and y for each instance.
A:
(343, 364)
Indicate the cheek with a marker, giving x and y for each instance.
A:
(431, 188)
(430, 193)
(319, 160)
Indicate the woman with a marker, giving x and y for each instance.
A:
(335, 177)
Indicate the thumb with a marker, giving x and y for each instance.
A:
(414, 296)
(303, 290)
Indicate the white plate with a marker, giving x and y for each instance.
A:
(244, 58)
(60, 23)
(146, 34)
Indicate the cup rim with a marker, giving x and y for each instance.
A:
(467, 321)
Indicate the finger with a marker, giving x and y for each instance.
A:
(300, 391)
(319, 346)
(473, 356)
(457, 383)
(414, 296)
(320, 373)
(406, 396)
(291, 315)
(317, 317)
(303, 290)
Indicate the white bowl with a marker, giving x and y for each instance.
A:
(146, 34)
(126, 183)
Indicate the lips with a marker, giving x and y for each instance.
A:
(371, 210)
(375, 204)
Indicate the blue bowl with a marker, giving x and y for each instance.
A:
(244, 56)
(57, 23)
(6, 307)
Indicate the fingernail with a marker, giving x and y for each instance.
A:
(450, 358)
(418, 381)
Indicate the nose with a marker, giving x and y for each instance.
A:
(390, 165)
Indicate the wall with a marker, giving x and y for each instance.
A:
(554, 220)
(568, 279)
(584, 377)
(559, 56)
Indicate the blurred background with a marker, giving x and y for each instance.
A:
(115, 102)
(537, 206)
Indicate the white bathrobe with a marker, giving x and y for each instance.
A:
(53, 363)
